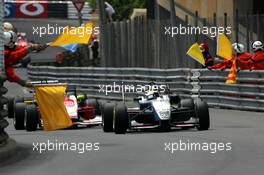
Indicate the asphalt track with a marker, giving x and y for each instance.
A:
(144, 152)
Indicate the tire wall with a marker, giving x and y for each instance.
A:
(3, 90)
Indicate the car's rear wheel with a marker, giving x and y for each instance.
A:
(95, 103)
(187, 103)
(107, 117)
(15, 101)
(19, 116)
(202, 113)
(120, 119)
(10, 107)
(32, 119)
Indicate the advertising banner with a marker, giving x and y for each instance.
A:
(30, 9)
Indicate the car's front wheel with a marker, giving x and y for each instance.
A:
(107, 117)
(10, 107)
(202, 113)
(32, 119)
(120, 119)
(19, 116)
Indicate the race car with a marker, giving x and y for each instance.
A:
(155, 110)
(82, 110)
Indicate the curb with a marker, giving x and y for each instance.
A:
(7, 149)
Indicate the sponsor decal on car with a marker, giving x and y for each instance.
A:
(71, 106)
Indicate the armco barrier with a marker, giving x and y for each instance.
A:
(3, 113)
(247, 94)
(3, 90)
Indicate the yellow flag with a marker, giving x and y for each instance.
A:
(196, 53)
(74, 35)
(224, 47)
(53, 113)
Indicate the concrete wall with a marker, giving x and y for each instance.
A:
(206, 8)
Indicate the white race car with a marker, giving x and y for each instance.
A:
(155, 110)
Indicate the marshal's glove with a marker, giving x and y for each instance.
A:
(38, 47)
(25, 83)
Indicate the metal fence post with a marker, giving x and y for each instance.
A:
(196, 24)
(157, 34)
(102, 22)
(237, 25)
(215, 25)
(247, 21)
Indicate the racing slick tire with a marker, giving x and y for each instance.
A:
(187, 103)
(120, 119)
(31, 115)
(202, 113)
(107, 117)
(19, 116)
(10, 107)
(94, 102)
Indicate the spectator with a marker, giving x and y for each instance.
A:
(207, 56)
(110, 11)
(94, 46)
